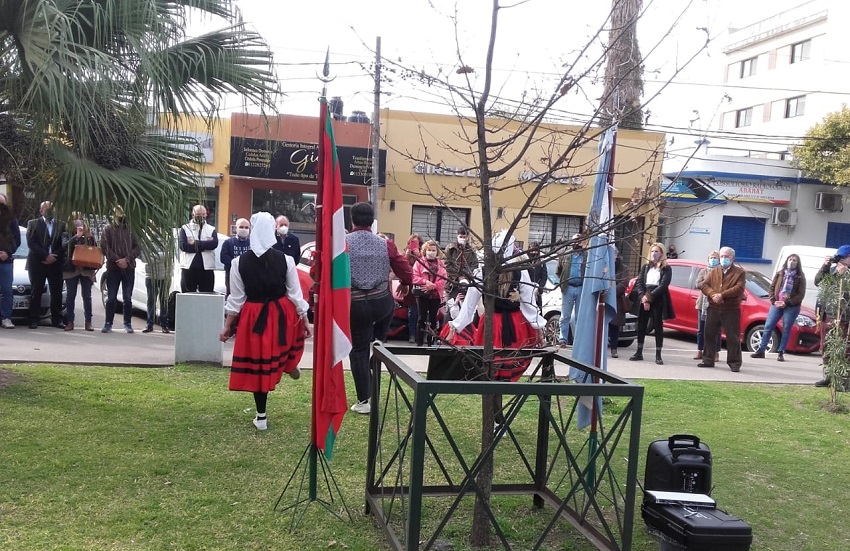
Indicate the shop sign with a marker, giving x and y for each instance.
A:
(289, 160)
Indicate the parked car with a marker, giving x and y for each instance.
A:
(804, 335)
(552, 302)
(140, 296)
(22, 289)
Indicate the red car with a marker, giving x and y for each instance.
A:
(805, 337)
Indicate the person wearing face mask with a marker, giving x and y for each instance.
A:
(429, 275)
(287, 242)
(198, 242)
(724, 289)
(461, 261)
(570, 272)
(234, 247)
(702, 306)
(653, 291)
(76, 276)
(786, 295)
(121, 249)
(412, 253)
(44, 263)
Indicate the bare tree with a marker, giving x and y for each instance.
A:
(501, 135)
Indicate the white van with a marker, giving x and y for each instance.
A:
(812, 259)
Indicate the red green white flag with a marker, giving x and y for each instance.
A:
(332, 271)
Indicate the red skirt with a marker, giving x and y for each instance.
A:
(260, 360)
(507, 366)
(464, 338)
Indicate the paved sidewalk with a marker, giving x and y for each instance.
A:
(49, 345)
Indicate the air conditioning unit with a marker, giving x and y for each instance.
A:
(829, 202)
(784, 217)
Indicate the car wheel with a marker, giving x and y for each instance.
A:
(754, 336)
(104, 294)
(552, 331)
(625, 344)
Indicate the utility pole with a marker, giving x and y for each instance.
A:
(376, 129)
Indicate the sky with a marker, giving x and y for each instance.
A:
(536, 40)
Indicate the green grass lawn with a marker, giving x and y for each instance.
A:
(146, 459)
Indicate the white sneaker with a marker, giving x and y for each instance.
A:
(362, 407)
(260, 423)
(7, 324)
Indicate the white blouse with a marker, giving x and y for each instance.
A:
(527, 305)
(653, 277)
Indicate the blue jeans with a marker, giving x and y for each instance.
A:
(7, 271)
(124, 278)
(788, 316)
(569, 300)
(156, 288)
(71, 285)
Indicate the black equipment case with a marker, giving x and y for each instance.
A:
(698, 529)
(680, 463)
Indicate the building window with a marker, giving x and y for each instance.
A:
(801, 51)
(298, 207)
(438, 223)
(795, 107)
(748, 67)
(744, 117)
(552, 228)
(745, 234)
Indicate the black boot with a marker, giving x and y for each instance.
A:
(638, 355)
(658, 359)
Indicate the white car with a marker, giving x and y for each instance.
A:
(21, 288)
(140, 294)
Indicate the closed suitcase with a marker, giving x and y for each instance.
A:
(680, 463)
(698, 529)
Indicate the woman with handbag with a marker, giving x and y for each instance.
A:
(78, 276)
(429, 281)
(653, 293)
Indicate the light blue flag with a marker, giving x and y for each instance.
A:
(599, 276)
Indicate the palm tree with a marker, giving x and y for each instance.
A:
(85, 84)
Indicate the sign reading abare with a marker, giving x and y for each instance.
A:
(286, 160)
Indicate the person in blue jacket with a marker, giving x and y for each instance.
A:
(234, 247)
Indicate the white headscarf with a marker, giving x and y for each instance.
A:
(262, 232)
(499, 239)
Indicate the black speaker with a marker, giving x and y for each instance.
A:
(680, 463)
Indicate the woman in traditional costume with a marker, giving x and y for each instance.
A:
(516, 321)
(266, 297)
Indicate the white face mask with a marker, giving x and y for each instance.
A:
(283, 230)
(431, 254)
(242, 233)
(461, 241)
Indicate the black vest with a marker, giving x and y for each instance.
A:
(264, 277)
(504, 303)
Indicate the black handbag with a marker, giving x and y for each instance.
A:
(419, 291)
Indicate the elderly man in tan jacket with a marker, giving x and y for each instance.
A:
(724, 289)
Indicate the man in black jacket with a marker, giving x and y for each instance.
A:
(44, 263)
(287, 242)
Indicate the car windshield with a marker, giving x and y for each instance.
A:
(23, 250)
(758, 284)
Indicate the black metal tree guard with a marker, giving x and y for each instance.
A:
(588, 496)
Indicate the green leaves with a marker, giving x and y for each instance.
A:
(825, 153)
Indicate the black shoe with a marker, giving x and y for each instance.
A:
(781, 357)
(636, 357)
(658, 359)
(822, 383)
(757, 354)
(166, 330)
(59, 325)
(735, 368)
(147, 329)
(705, 364)
(33, 324)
